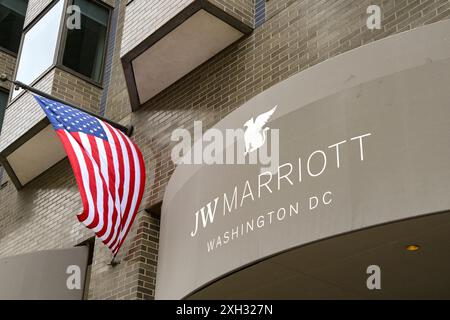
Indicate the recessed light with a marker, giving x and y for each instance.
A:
(413, 247)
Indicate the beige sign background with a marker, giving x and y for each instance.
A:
(390, 103)
(43, 275)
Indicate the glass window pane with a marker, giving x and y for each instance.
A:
(85, 47)
(39, 46)
(12, 17)
(3, 104)
(3, 99)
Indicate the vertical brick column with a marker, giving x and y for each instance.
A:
(135, 276)
(7, 65)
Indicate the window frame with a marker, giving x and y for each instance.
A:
(62, 47)
(4, 50)
(11, 53)
(60, 43)
(28, 27)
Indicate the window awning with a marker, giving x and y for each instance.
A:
(196, 34)
(34, 157)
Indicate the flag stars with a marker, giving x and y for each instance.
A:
(72, 120)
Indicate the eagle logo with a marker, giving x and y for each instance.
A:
(255, 133)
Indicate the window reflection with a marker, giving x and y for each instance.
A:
(85, 47)
(39, 46)
(12, 17)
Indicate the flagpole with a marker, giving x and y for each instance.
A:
(128, 130)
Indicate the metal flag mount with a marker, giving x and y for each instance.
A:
(128, 130)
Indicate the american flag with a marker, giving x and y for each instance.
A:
(108, 167)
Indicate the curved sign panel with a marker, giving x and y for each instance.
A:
(357, 141)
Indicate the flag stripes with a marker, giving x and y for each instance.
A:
(108, 167)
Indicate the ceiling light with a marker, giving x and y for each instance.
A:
(413, 247)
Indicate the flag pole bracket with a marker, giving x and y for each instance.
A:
(128, 130)
(114, 262)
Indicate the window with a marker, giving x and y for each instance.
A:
(39, 46)
(3, 104)
(12, 18)
(3, 99)
(49, 42)
(84, 49)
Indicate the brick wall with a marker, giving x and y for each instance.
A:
(24, 113)
(134, 278)
(43, 215)
(118, 102)
(7, 65)
(76, 91)
(298, 35)
(273, 7)
(243, 10)
(143, 17)
(34, 8)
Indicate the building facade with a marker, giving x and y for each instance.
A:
(152, 64)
